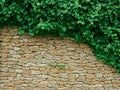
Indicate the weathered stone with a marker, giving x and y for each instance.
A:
(71, 76)
(29, 56)
(81, 79)
(12, 52)
(12, 74)
(35, 72)
(16, 56)
(70, 49)
(24, 65)
(23, 40)
(4, 69)
(32, 40)
(99, 75)
(16, 48)
(52, 84)
(30, 64)
(18, 71)
(44, 84)
(3, 74)
(26, 75)
(34, 48)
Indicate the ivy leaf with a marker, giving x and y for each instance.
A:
(21, 31)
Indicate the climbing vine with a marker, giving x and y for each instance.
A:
(95, 22)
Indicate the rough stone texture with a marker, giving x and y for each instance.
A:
(34, 63)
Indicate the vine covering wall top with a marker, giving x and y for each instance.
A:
(95, 22)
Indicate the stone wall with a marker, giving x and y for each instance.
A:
(47, 63)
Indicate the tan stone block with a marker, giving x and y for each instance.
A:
(91, 71)
(86, 50)
(83, 45)
(12, 62)
(69, 53)
(20, 52)
(51, 47)
(72, 45)
(25, 60)
(52, 51)
(19, 71)
(54, 70)
(61, 84)
(26, 75)
(16, 41)
(81, 78)
(16, 48)
(44, 84)
(34, 67)
(16, 56)
(115, 81)
(91, 88)
(16, 37)
(26, 72)
(63, 75)
(35, 72)
(27, 51)
(108, 82)
(42, 68)
(63, 88)
(99, 75)
(66, 58)
(101, 88)
(4, 61)
(43, 45)
(11, 70)
(45, 71)
(117, 85)
(71, 49)
(32, 40)
(29, 56)
(19, 44)
(102, 79)
(23, 48)
(34, 48)
(19, 82)
(58, 47)
(75, 57)
(72, 82)
(59, 54)
(4, 69)
(108, 85)
(31, 44)
(90, 76)
(8, 85)
(5, 39)
(93, 82)
(12, 74)
(8, 36)
(58, 41)
(71, 76)
(3, 74)
(4, 55)
(9, 46)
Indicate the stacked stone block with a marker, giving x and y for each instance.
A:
(32, 63)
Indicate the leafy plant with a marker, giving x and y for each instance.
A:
(57, 66)
(94, 22)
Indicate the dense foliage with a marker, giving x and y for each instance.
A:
(95, 22)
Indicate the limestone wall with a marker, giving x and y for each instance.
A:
(47, 63)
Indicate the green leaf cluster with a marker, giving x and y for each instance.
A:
(95, 22)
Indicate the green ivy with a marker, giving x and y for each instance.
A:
(95, 22)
